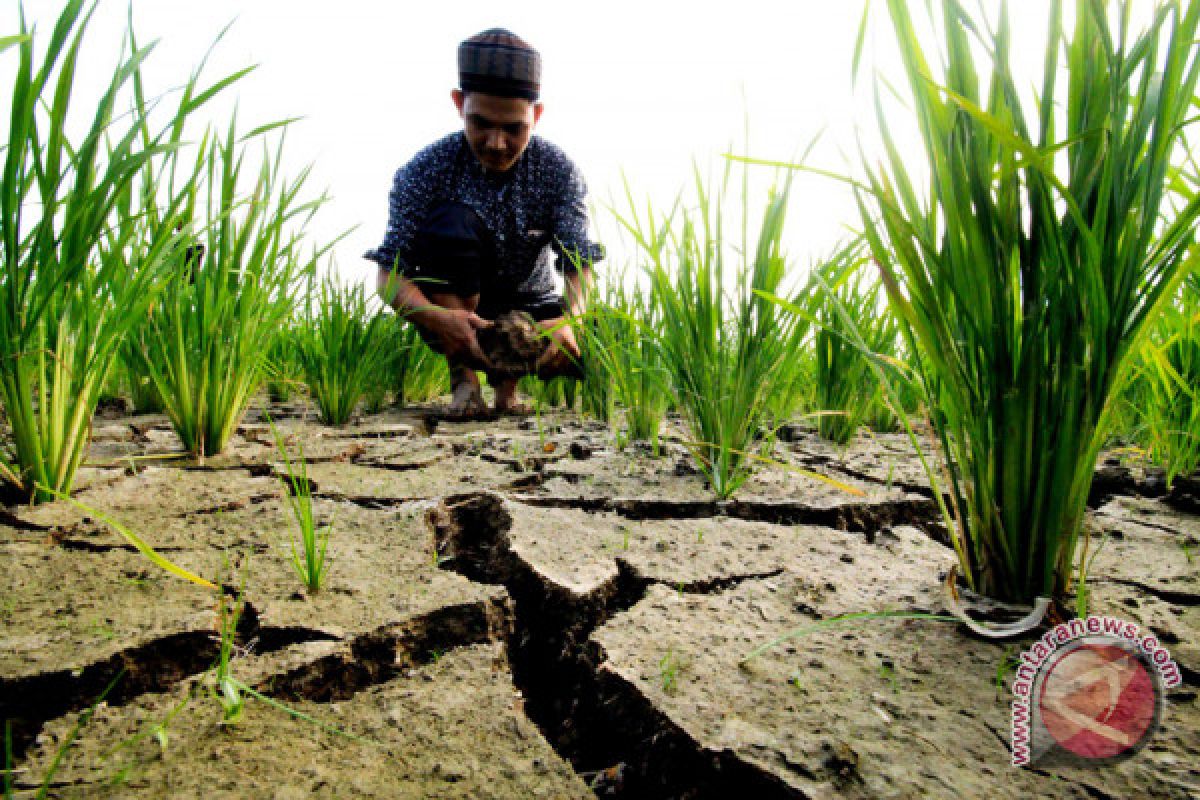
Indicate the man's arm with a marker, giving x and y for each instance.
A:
(454, 328)
(578, 290)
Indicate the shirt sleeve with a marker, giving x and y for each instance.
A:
(408, 202)
(571, 241)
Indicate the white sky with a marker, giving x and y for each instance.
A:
(644, 87)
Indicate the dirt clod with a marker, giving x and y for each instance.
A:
(512, 345)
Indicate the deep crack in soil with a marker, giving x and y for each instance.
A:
(609, 732)
(855, 517)
(379, 656)
(152, 666)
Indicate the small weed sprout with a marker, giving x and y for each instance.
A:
(437, 558)
(1007, 665)
(309, 556)
(668, 670)
(887, 671)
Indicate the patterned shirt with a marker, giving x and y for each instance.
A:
(534, 211)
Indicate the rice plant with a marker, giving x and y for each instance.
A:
(846, 386)
(896, 397)
(619, 340)
(74, 280)
(228, 691)
(309, 555)
(136, 384)
(1169, 377)
(283, 370)
(726, 352)
(207, 342)
(1028, 266)
(419, 374)
(343, 349)
(558, 392)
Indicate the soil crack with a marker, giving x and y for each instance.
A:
(379, 656)
(709, 585)
(1179, 598)
(854, 517)
(152, 666)
(611, 733)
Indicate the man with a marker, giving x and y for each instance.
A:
(479, 219)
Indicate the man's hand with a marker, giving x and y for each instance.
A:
(456, 330)
(562, 351)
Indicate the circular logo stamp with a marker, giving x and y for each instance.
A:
(1097, 698)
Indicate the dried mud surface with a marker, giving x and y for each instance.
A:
(518, 608)
(450, 728)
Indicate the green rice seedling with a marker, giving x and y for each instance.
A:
(309, 556)
(343, 348)
(897, 393)
(419, 374)
(207, 342)
(228, 690)
(283, 370)
(845, 382)
(138, 386)
(799, 394)
(559, 392)
(726, 347)
(619, 342)
(1169, 375)
(1029, 265)
(596, 396)
(75, 274)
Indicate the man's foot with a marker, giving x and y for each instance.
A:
(467, 401)
(507, 402)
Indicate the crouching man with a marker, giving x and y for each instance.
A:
(479, 220)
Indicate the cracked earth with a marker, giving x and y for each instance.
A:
(518, 609)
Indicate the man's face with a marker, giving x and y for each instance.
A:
(497, 128)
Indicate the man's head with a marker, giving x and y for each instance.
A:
(499, 81)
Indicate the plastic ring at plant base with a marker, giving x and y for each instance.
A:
(1005, 630)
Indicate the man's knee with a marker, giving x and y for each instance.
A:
(452, 252)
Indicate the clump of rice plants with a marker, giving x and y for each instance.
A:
(284, 374)
(619, 340)
(1169, 376)
(207, 342)
(725, 345)
(1028, 266)
(853, 336)
(75, 275)
(134, 379)
(419, 374)
(343, 348)
(558, 392)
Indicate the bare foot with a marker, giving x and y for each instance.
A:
(467, 402)
(507, 402)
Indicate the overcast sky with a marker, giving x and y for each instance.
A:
(644, 87)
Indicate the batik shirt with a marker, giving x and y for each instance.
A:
(535, 211)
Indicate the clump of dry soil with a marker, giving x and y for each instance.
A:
(512, 344)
